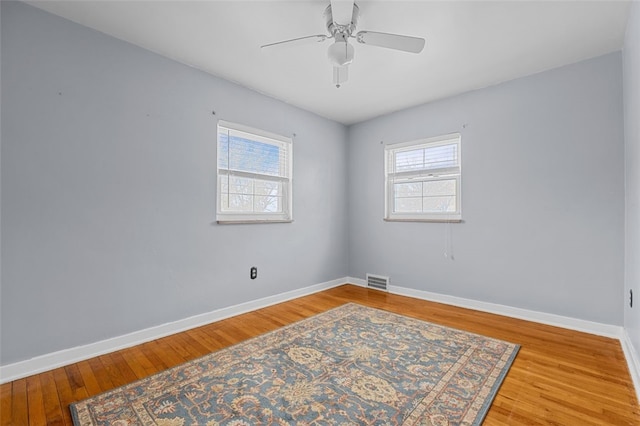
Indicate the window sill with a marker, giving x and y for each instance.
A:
(244, 222)
(425, 220)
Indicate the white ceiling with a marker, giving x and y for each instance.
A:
(470, 44)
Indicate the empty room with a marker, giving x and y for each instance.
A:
(319, 212)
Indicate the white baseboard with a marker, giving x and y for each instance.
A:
(585, 326)
(633, 361)
(64, 357)
(357, 281)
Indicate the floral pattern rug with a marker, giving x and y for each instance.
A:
(352, 365)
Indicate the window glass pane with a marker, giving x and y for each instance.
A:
(237, 202)
(240, 185)
(411, 189)
(408, 205)
(265, 187)
(439, 204)
(439, 187)
(248, 195)
(409, 160)
(241, 154)
(267, 204)
(427, 158)
(437, 196)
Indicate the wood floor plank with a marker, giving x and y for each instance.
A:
(37, 413)
(101, 374)
(193, 346)
(183, 350)
(65, 393)
(113, 369)
(76, 383)
(52, 407)
(163, 350)
(126, 372)
(19, 403)
(138, 362)
(205, 339)
(560, 377)
(88, 378)
(6, 396)
(157, 361)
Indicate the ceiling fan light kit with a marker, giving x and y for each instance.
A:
(341, 19)
(340, 53)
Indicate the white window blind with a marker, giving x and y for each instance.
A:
(422, 180)
(254, 175)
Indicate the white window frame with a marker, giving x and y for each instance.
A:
(286, 215)
(449, 173)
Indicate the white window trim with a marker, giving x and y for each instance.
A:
(451, 173)
(237, 217)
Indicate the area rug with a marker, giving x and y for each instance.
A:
(352, 365)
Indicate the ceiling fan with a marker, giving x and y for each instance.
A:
(341, 19)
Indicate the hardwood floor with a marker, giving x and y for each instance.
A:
(559, 377)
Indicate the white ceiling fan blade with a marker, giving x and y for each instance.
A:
(391, 41)
(298, 41)
(342, 11)
(340, 75)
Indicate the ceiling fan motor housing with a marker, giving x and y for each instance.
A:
(334, 28)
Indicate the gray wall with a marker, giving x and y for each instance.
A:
(632, 181)
(108, 191)
(542, 195)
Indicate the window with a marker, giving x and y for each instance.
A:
(422, 180)
(254, 175)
